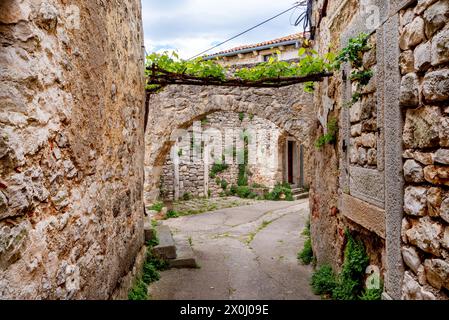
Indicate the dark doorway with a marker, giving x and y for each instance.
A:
(291, 145)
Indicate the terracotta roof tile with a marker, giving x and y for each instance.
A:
(295, 36)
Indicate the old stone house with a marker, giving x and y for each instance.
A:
(281, 157)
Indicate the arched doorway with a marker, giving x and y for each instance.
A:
(178, 107)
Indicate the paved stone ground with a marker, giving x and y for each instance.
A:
(244, 253)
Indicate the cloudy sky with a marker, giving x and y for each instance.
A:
(191, 26)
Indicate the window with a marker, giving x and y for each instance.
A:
(267, 57)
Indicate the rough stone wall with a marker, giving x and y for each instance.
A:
(192, 175)
(409, 41)
(424, 43)
(178, 107)
(71, 148)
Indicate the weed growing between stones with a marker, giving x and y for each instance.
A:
(306, 255)
(349, 284)
(331, 136)
(172, 214)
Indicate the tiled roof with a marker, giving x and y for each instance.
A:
(296, 36)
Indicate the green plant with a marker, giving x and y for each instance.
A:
(331, 136)
(153, 241)
(306, 255)
(217, 181)
(350, 280)
(204, 121)
(323, 280)
(209, 193)
(353, 52)
(172, 214)
(251, 117)
(280, 192)
(224, 184)
(180, 153)
(363, 77)
(243, 192)
(187, 196)
(216, 169)
(158, 206)
(139, 291)
(233, 189)
(241, 116)
(372, 294)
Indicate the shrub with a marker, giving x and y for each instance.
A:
(244, 192)
(233, 189)
(187, 196)
(172, 214)
(323, 280)
(280, 192)
(372, 294)
(224, 184)
(350, 280)
(139, 291)
(216, 169)
(306, 255)
(157, 207)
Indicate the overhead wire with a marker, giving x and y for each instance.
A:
(297, 4)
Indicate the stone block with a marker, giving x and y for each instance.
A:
(415, 201)
(436, 86)
(425, 234)
(372, 157)
(435, 17)
(407, 62)
(411, 258)
(422, 56)
(421, 128)
(413, 172)
(444, 210)
(369, 140)
(411, 290)
(368, 216)
(444, 132)
(437, 273)
(422, 5)
(440, 48)
(442, 156)
(356, 130)
(412, 34)
(434, 200)
(445, 240)
(437, 175)
(409, 95)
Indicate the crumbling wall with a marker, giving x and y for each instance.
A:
(71, 148)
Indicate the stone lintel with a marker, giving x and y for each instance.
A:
(364, 214)
(368, 185)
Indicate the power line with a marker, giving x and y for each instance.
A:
(297, 4)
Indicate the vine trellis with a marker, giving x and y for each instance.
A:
(160, 78)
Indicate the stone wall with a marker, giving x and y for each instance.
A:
(368, 181)
(194, 178)
(71, 148)
(424, 43)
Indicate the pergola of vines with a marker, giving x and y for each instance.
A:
(159, 78)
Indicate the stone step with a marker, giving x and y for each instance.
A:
(301, 196)
(166, 249)
(185, 255)
(297, 190)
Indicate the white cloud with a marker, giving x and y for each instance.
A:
(192, 26)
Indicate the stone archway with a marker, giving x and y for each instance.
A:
(289, 108)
